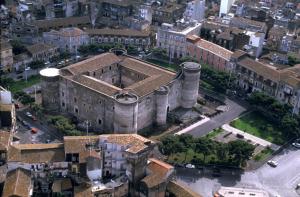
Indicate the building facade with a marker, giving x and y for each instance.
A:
(66, 39)
(173, 38)
(121, 94)
(6, 60)
(225, 7)
(125, 37)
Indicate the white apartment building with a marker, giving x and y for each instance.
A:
(173, 38)
(66, 39)
(225, 7)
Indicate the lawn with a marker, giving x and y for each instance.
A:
(214, 133)
(20, 85)
(170, 66)
(256, 124)
(182, 158)
(263, 154)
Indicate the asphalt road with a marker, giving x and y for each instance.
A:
(235, 109)
(281, 180)
(45, 132)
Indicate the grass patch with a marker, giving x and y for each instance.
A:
(263, 154)
(214, 133)
(20, 85)
(183, 158)
(170, 66)
(256, 124)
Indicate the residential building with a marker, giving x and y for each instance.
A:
(119, 93)
(42, 52)
(6, 60)
(113, 165)
(125, 37)
(255, 46)
(167, 13)
(209, 53)
(195, 10)
(58, 23)
(275, 37)
(231, 38)
(249, 25)
(225, 7)
(172, 38)
(280, 83)
(66, 39)
(21, 61)
(7, 123)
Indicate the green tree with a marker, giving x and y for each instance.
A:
(204, 146)
(18, 47)
(36, 64)
(37, 109)
(240, 151)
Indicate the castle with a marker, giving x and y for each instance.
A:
(119, 93)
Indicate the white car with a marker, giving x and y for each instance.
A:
(28, 114)
(190, 166)
(272, 163)
(296, 144)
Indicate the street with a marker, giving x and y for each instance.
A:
(45, 132)
(234, 110)
(281, 180)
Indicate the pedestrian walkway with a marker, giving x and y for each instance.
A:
(248, 136)
(191, 127)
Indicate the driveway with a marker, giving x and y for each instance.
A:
(281, 180)
(235, 109)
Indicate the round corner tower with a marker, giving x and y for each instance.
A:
(190, 83)
(162, 94)
(125, 113)
(50, 89)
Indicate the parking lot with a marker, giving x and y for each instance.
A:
(44, 133)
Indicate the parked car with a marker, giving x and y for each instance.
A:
(296, 144)
(298, 186)
(190, 166)
(33, 130)
(272, 163)
(17, 106)
(28, 114)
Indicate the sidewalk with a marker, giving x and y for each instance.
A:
(189, 128)
(248, 136)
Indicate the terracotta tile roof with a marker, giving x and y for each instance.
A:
(36, 153)
(83, 191)
(5, 138)
(268, 72)
(291, 76)
(97, 85)
(180, 190)
(134, 142)
(57, 22)
(88, 153)
(157, 76)
(159, 172)
(39, 48)
(192, 38)
(277, 31)
(238, 53)
(92, 64)
(69, 32)
(214, 48)
(118, 32)
(18, 183)
(169, 7)
(248, 22)
(77, 144)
